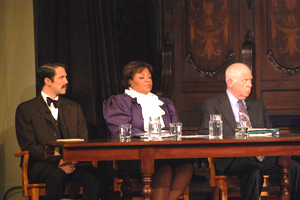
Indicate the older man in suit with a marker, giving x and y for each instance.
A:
(49, 117)
(249, 169)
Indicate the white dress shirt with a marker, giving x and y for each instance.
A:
(54, 111)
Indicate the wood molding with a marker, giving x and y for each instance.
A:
(277, 85)
(167, 66)
(286, 70)
(215, 86)
(210, 74)
(248, 49)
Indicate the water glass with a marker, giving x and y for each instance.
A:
(215, 126)
(125, 132)
(242, 128)
(154, 128)
(176, 130)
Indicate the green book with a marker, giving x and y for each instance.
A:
(265, 130)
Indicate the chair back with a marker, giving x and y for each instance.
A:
(220, 184)
(34, 190)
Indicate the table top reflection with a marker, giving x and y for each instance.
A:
(147, 151)
(199, 139)
(284, 144)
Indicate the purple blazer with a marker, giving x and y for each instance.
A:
(122, 109)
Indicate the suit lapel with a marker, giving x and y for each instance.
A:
(45, 112)
(253, 115)
(63, 110)
(227, 110)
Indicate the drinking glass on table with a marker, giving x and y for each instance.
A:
(125, 132)
(176, 130)
(242, 128)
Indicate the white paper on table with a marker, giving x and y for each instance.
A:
(164, 134)
(261, 135)
(194, 136)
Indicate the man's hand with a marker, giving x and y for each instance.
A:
(67, 167)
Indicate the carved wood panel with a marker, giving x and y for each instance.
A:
(209, 47)
(283, 35)
(208, 35)
(204, 46)
(277, 39)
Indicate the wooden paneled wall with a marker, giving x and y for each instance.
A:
(205, 36)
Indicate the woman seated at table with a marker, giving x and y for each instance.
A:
(135, 107)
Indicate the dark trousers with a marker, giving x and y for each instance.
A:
(251, 172)
(56, 180)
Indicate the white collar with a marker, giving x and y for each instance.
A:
(44, 95)
(150, 105)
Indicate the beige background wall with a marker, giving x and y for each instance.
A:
(17, 83)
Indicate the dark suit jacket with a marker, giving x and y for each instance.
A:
(220, 105)
(35, 124)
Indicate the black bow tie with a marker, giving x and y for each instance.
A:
(55, 102)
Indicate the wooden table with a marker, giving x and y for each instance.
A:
(147, 151)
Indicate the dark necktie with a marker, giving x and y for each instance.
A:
(243, 113)
(55, 102)
(245, 117)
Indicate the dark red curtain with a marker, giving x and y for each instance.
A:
(96, 39)
(81, 34)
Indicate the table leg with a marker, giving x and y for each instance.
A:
(147, 169)
(126, 186)
(284, 162)
(147, 190)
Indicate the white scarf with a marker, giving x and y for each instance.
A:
(150, 106)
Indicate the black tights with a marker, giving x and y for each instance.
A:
(168, 183)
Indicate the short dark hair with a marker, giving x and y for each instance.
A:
(48, 71)
(131, 69)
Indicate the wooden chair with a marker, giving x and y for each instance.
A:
(136, 186)
(34, 190)
(220, 184)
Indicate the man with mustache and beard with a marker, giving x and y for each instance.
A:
(49, 117)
